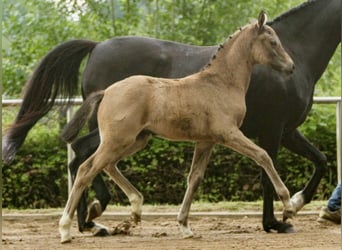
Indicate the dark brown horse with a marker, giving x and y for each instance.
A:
(207, 108)
(310, 33)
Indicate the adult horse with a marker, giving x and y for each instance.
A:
(207, 108)
(310, 33)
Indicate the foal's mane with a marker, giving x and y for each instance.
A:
(222, 45)
(292, 11)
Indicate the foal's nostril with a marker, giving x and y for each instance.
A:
(292, 69)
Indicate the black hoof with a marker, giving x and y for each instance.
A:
(280, 227)
(285, 228)
(102, 233)
(86, 226)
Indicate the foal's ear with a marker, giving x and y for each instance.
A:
(262, 19)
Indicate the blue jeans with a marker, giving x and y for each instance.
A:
(334, 202)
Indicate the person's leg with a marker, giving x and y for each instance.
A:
(334, 202)
(332, 212)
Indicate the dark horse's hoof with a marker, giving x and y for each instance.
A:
(286, 228)
(101, 233)
(95, 229)
(280, 227)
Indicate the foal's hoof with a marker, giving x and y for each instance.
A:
(136, 218)
(186, 232)
(297, 201)
(123, 228)
(188, 236)
(64, 229)
(63, 241)
(288, 214)
(65, 238)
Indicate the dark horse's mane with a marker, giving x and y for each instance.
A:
(291, 11)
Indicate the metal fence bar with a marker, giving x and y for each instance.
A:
(17, 102)
(318, 100)
(337, 101)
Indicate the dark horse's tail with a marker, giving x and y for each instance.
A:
(83, 114)
(56, 74)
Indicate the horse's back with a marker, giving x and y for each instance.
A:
(121, 57)
(118, 58)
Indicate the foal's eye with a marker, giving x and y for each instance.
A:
(273, 43)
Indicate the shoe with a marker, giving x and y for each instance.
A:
(326, 215)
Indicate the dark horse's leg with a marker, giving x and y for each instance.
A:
(271, 143)
(298, 144)
(83, 148)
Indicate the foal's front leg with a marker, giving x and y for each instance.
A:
(199, 164)
(241, 144)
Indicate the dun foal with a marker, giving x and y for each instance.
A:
(207, 108)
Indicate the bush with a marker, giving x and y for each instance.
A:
(38, 176)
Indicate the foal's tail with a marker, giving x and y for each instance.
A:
(57, 74)
(83, 114)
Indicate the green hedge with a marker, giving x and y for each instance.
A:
(38, 177)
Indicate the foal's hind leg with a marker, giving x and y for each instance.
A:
(84, 147)
(199, 164)
(135, 197)
(238, 142)
(104, 156)
(85, 174)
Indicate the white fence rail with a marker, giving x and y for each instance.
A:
(318, 100)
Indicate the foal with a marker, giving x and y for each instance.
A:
(207, 108)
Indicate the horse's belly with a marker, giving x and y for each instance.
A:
(183, 129)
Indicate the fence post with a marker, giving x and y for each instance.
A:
(71, 154)
(338, 141)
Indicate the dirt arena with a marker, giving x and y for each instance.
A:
(159, 230)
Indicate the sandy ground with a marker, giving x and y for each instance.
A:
(160, 231)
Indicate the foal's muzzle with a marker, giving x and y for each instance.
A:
(287, 68)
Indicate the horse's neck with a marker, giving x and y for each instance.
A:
(311, 35)
(179, 56)
(232, 65)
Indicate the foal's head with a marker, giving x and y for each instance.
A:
(267, 48)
